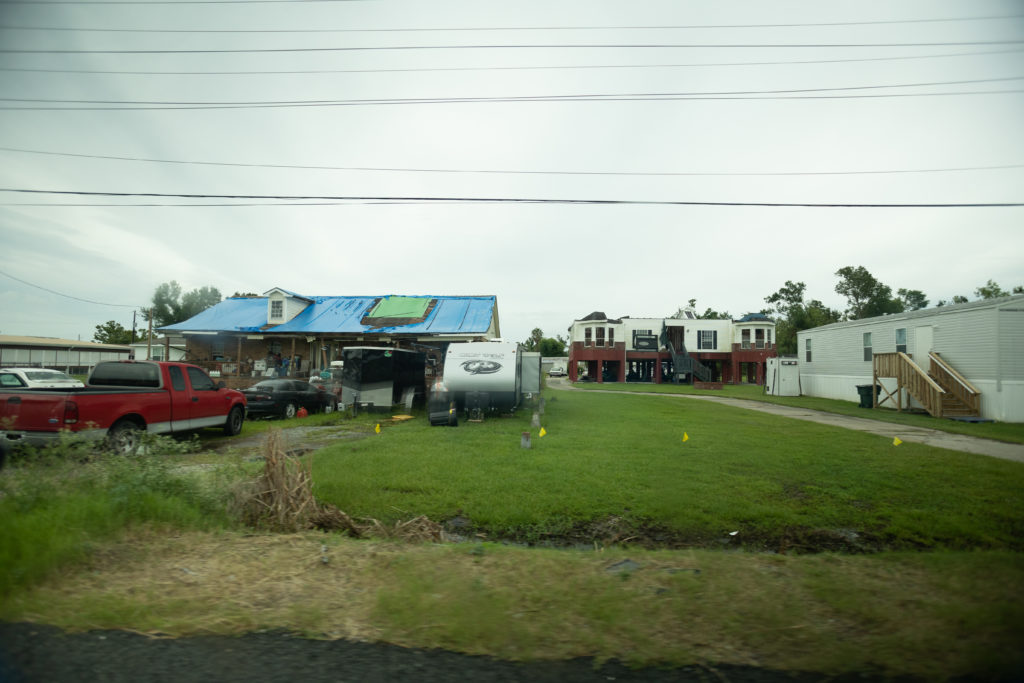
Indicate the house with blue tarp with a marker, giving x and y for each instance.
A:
(300, 334)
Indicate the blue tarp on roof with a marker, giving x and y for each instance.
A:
(344, 315)
(230, 315)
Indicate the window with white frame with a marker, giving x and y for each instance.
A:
(867, 346)
(611, 336)
(600, 337)
(901, 340)
(707, 339)
(277, 309)
(745, 339)
(587, 336)
(807, 348)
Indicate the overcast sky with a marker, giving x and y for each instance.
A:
(683, 115)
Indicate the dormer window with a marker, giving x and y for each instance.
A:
(277, 309)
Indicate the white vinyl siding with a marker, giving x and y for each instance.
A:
(1011, 341)
(982, 342)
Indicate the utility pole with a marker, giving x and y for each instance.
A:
(149, 340)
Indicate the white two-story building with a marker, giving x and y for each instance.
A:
(682, 347)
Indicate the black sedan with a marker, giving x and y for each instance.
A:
(284, 397)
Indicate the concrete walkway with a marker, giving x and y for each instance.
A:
(929, 437)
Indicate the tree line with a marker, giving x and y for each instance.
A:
(170, 305)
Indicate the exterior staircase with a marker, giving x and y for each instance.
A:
(942, 391)
(961, 399)
(685, 364)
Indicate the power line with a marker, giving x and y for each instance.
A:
(163, 2)
(520, 200)
(563, 46)
(506, 68)
(67, 296)
(477, 29)
(647, 96)
(306, 167)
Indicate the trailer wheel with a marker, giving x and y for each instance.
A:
(290, 410)
(124, 437)
(233, 425)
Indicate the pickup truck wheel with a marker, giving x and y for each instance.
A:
(233, 425)
(124, 437)
(289, 410)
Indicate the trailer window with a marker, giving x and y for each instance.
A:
(901, 340)
(807, 347)
(867, 346)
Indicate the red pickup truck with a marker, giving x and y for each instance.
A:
(121, 400)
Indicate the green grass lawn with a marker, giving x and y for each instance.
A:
(931, 583)
(618, 458)
(1000, 431)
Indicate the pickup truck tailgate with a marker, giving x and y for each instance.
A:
(42, 410)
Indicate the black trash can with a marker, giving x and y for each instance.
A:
(866, 400)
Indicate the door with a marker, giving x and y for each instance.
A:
(675, 337)
(208, 407)
(923, 337)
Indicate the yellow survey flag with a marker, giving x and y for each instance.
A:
(686, 437)
(896, 441)
(377, 428)
(543, 431)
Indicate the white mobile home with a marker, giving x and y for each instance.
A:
(973, 350)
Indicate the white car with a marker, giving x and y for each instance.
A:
(37, 378)
(556, 372)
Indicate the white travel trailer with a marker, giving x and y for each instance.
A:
(974, 351)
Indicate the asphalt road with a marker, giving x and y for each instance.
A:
(31, 653)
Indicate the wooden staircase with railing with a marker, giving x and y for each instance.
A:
(942, 390)
(962, 399)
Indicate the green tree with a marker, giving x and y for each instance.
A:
(792, 314)
(866, 297)
(532, 342)
(553, 347)
(547, 346)
(170, 306)
(912, 299)
(990, 290)
(112, 332)
(957, 299)
(711, 314)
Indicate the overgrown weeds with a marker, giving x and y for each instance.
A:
(60, 502)
(281, 499)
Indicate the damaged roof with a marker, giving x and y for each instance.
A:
(436, 315)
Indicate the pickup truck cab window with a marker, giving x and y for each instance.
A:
(125, 375)
(177, 378)
(200, 380)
